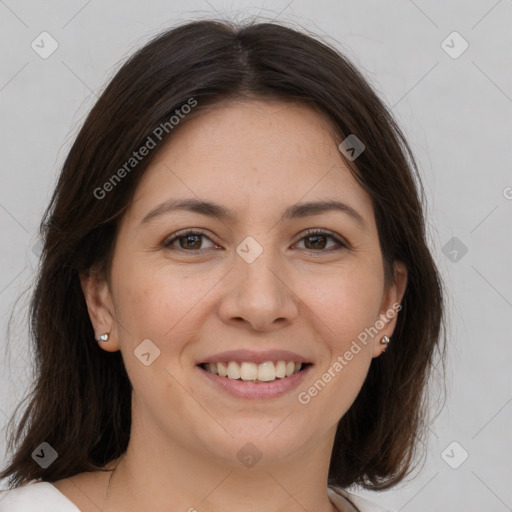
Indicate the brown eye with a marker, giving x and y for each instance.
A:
(189, 241)
(317, 241)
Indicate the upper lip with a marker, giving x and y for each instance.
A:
(251, 356)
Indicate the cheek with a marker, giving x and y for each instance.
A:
(345, 303)
(154, 308)
(152, 301)
(341, 308)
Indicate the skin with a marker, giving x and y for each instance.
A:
(255, 158)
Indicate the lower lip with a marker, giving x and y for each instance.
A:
(253, 390)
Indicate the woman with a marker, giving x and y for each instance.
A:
(235, 239)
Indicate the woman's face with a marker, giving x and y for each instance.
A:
(250, 280)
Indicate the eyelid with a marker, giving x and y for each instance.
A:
(342, 242)
(184, 232)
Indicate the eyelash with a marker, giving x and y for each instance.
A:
(309, 233)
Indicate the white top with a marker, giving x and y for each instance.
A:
(45, 497)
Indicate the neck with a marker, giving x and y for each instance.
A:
(149, 477)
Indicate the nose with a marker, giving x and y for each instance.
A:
(260, 295)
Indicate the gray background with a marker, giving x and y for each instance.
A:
(456, 113)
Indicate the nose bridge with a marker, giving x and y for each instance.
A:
(259, 266)
(260, 294)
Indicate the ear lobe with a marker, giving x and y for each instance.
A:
(99, 306)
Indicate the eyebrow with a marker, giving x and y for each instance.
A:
(220, 212)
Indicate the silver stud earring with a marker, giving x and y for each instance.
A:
(385, 340)
(103, 337)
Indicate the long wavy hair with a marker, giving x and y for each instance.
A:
(80, 401)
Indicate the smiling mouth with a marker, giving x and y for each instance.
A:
(268, 371)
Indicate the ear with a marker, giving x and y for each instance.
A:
(99, 305)
(390, 307)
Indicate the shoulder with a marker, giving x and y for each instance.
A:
(36, 496)
(340, 496)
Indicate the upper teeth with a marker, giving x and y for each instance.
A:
(267, 371)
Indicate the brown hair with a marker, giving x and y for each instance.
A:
(80, 402)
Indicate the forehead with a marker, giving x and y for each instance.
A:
(252, 155)
(254, 131)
